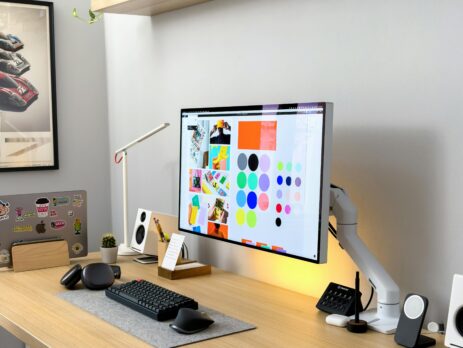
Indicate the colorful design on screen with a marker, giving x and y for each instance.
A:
(257, 135)
(219, 157)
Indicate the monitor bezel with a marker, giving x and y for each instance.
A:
(322, 247)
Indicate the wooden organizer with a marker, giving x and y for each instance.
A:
(39, 255)
(182, 271)
(184, 267)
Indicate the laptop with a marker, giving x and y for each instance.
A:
(43, 216)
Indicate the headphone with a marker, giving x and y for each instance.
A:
(95, 276)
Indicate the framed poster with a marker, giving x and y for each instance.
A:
(28, 127)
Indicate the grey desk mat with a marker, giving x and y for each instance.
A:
(153, 332)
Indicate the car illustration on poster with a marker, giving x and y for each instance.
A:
(13, 63)
(16, 93)
(10, 42)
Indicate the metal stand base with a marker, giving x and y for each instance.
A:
(386, 325)
(124, 250)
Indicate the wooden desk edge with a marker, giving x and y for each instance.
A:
(20, 333)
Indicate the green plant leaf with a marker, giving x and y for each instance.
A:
(93, 16)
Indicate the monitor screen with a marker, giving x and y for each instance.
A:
(258, 176)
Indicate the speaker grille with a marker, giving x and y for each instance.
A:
(459, 321)
(140, 234)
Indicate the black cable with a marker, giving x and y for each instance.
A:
(333, 234)
(333, 230)
(335, 186)
(185, 251)
(369, 301)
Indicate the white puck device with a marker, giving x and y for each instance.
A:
(337, 320)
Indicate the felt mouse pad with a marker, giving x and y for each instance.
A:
(156, 333)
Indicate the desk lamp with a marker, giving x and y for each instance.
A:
(124, 248)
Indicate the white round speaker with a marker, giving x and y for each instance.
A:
(454, 328)
(414, 307)
(459, 321)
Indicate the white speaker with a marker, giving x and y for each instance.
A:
(144, 237)
(454, 332)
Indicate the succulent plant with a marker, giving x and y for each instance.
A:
(108, 241)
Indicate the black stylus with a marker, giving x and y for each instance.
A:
(357, 325)
(357, 300)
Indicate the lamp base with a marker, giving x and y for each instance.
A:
(124, 250)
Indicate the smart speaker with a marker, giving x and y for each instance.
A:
(454, 333)
(144, 238)
(408, 333)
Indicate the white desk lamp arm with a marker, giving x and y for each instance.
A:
(124, 248)
(388, 292)
(143, 137)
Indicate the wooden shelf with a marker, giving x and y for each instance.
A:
(141, 7)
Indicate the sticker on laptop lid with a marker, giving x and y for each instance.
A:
(60, 201)
(77, 248)
(22, 228)
(28, 214)
(4, 256)
(42, 205)
(19, 214)
(77, 201)
(77, 226)
(4, 210)
(58, 224)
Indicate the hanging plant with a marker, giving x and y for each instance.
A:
(93, 17)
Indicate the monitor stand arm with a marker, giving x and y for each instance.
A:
(386, 316)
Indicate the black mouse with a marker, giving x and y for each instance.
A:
(190, 321)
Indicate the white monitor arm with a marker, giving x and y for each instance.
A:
(386, 316)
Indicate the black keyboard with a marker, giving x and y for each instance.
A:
(150, 299)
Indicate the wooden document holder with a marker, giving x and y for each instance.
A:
(39, 255)
(184, 269)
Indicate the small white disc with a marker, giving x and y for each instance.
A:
(414, 307)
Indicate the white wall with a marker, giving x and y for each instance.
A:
(82, 121)
(393, 70)
(82, 126)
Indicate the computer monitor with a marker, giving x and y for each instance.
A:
(258, 176)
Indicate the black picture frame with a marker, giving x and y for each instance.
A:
(28, 107)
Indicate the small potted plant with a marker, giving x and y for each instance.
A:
(108, 248)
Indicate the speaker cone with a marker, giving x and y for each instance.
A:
(143, 217)
(459, 321)
(140, 234)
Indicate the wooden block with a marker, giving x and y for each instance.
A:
(184, 271)
(162, 248)
(32, 256)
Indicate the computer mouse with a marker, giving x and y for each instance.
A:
(190, 321)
